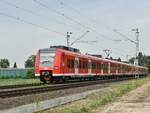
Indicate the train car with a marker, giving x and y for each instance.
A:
(62, 63)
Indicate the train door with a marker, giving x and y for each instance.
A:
(76, 65)
(89, 67)
(63, 63)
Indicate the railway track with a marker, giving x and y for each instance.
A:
(41, 89)
(20, 86)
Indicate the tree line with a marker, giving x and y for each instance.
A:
(29, 63)
(144, 60)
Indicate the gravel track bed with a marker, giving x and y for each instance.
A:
(6, 103)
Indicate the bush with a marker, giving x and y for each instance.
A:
(30, 74)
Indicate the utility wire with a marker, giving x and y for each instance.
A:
(33, 13)
(71, 19)
(57, 12)
(18, 7)
(79, 38)
(75, 10)
(124, 36)
(83, 15)
(91, 20)
(30, 23)
(39, 26)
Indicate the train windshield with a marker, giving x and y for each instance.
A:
(47, 57)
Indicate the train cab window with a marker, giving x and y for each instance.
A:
(47, 57)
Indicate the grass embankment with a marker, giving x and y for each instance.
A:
(18, 81)
(98, 99)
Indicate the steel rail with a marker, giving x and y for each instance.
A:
(42, 89)
(20, 86)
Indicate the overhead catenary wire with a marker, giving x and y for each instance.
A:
(37, 25)
(83, 15)
(59, 13)
(77, 11)
(30, 23)
(89, 18)
(33, 13)
(79, 38)
(19, 7)
(71, 19)
(124, 36)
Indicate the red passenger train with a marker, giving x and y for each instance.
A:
(62, 63)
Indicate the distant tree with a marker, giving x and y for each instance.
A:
(4, 63)
(144, 60)
(119, 59)
(15, 65)
(111, 58)
(132, 60)
(141, 59)
(29, 63)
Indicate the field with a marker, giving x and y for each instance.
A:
(100, 98)
(18, 81)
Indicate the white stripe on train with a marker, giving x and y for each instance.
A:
(98, 74)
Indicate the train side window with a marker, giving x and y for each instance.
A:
(72, 63)
(93, 65)
(99, 66)
(68, 63)
(86, 64)
(105, 66)
(89, 65)
(76, 64)
(80, 64)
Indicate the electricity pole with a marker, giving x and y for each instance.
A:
(136, 42)
(79, 38)
(68, 38)
(136, 62)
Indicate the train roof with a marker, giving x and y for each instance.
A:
(66, 48)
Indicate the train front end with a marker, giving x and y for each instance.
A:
(44, 63)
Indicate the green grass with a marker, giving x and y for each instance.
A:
(18, 81)
(98, 99)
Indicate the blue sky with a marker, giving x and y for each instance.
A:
(19, 40)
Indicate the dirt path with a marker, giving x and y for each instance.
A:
(136, 101)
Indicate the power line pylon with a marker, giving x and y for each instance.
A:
(136, 62)
(107, 52)
(68, 38)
